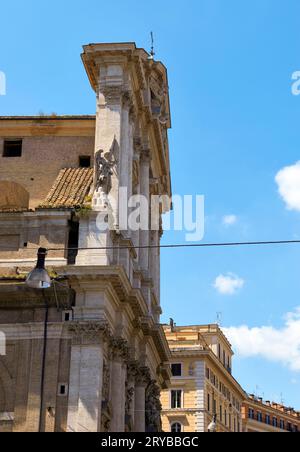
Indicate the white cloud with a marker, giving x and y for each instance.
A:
(288, 181)
(280, 345)
(229, 220)
(228, 284)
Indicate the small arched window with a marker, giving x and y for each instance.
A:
(13, 196)
(176, 427)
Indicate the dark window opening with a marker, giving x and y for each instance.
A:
(176, 399)
(176, 370)
(12, 148)
(73, 242)
(176, 428)
(62, 390)
(67, 316)
(84, 161)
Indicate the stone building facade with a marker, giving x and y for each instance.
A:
(261, 416)
(87, 354)
(202, 385)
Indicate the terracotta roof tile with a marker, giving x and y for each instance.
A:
(70, 189)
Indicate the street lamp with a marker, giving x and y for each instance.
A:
(212, 428)
(39, 278)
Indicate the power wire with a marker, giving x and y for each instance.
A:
(183, 245)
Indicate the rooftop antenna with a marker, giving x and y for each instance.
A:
(152, 53)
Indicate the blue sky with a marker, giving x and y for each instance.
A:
(235, 126)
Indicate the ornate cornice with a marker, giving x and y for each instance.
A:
(89, 332)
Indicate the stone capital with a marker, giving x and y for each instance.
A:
(119, 349)
(89, 332)
(114, 95)
(143, 376)
(145, 155)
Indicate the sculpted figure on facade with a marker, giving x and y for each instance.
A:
(104, 173)
(129, 394)
(106, 409)
(153, 408)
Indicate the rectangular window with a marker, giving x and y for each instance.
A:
(214, 407)
(208, 403)
(268, 420)
(259, 417)
(176, 370)
(207, 373)
(176, 399)
(84, 161)
(67, 316)
(221, 413)
(282, 425)
(63, 390)
(12, 148)
(251, 414)
(275, 423)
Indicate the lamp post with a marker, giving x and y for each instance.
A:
(39, 279)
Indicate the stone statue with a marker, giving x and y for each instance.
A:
(128, 404)
(153, 408)
(104, 173)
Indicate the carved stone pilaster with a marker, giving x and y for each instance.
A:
(106, 411)
(106, 381)
(89, 332)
